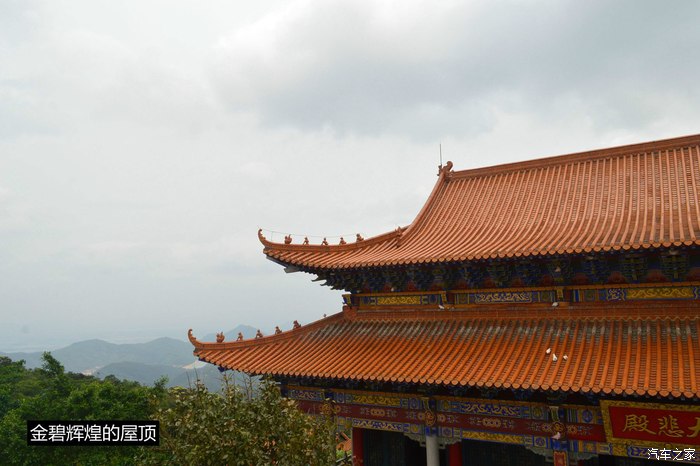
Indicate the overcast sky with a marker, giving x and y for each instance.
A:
(142, 143)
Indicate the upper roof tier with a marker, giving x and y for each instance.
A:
(630, 197)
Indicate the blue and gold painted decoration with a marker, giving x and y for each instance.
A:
(378, 399)
(382, 300)
(300, 394)
(635, 293)
(506, 296)
(388, 426)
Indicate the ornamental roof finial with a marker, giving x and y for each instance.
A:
(259, 334)
(240, 336)
(220, 337)
(288, 239)
(277, 330)
(324, 242)
(447, 168)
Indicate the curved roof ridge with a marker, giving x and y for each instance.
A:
(330, 247)
(400, 233)
(466, 217)
(585, 156)
(266, 339)
(444, 175)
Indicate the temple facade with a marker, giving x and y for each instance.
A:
(539, 312)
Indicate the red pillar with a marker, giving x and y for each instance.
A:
(454, 454)
(358, 452)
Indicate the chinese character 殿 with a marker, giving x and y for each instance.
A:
(637, 424)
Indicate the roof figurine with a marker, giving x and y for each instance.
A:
(277, 330)
(399, 234)
(258, 334)
(220, 337)
(359, 238)
(342, 241)
(192, 338)
(324, 242)
(446, 169)
(306, 240)
(296, 324)
(288, 239)
(240, 336)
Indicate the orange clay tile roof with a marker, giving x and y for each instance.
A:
(646, 351)
(638, 196)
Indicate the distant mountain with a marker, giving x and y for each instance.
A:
(89, 355)
(141, 362)
(231, 335)
(148, 374)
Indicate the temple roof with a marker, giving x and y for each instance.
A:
(642, 349)
(631, 197)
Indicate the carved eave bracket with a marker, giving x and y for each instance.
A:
(196, 343)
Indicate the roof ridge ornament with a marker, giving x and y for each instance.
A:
(446, 169)
(192, 338)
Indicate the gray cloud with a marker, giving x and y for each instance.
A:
(443, 69)
(142, 143)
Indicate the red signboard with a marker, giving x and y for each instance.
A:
(651, 424)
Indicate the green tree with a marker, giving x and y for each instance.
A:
(239, 427)
(50, 393)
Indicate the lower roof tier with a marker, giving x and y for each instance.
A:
(642, 349)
